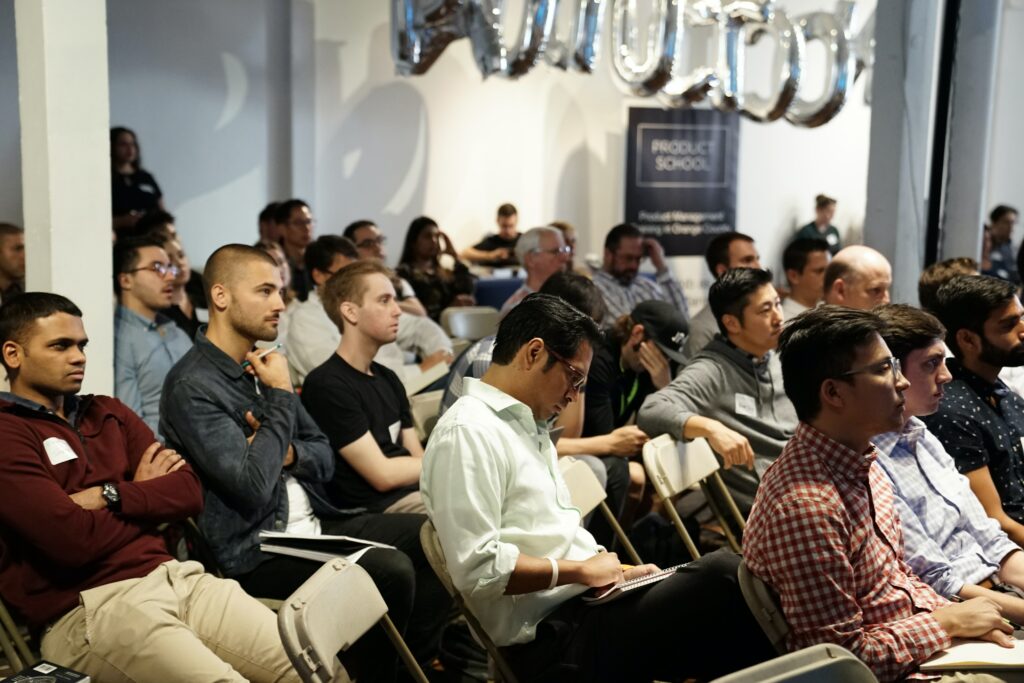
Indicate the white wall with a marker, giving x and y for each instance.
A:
(1005, 180)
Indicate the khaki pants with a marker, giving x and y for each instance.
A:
(411, 502)
(176, 624)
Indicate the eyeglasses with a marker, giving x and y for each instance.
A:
(576, 376)
(161, 269)
(557, 250)
(891, 363)
(371, 242)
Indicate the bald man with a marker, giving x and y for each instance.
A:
(858, 277)
(263, 463)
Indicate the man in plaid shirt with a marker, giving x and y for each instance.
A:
(823, 532)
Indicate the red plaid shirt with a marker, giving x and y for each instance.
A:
(824, 534)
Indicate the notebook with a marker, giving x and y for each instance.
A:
(321, 548)
(978, 654)
(624, 588)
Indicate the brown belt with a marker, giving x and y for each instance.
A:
(987, 583)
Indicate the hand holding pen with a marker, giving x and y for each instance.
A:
(269, 368)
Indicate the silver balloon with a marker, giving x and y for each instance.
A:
(538, 24)
(422, 29)
(580, 51)
(684, 90)
(645, 78)
(840, 66)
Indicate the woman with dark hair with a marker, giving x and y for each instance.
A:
(436, 286)
(133, 190)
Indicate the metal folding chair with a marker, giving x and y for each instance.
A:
(587, 494)
(822, 662)
(765, 608)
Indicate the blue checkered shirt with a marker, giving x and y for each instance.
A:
(949, 541)
(473, 362)
(621, 299)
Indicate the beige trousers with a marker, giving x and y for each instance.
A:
(411, 502)
(176, 624)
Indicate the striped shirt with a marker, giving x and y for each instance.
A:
(621, 299)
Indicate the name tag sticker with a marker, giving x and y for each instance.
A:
(58, 450)
(746, 405)
(395, 429)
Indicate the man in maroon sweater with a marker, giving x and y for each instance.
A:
(85, 487)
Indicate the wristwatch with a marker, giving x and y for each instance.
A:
(112, 496)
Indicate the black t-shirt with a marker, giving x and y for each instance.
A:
(496, 241)
(135, 192)
(613, 394)
(346, 404)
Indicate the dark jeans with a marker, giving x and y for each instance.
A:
(417, 602)
(617, 488)
(692, 625)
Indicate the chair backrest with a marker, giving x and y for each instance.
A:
(765, 608)
(313, 626)
(822, 662)
(19, 655)
(470, 322)
(675, 467)
(425, 408)
(435, 556)
(584, 486)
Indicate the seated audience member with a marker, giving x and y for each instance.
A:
(497, 250)
(12, 261)
(436, 286)
(619, 280)
(542, 252)
(804, 261)
(823, 528)
(1002, 263)
(263, 461)
(268, 225)
(147, 344)
(948, 540)
(276, 252)
(569, 236)
(725, 252)
(513, 541)
(295, 225)
(361, 405)
(730, 393)
(980, 422)
(938, 274)
(370, 241)
(312, 338)
(858, 277)
(821, 227)
(84, 561)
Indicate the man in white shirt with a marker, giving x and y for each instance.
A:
(513, 541)
(804, 262)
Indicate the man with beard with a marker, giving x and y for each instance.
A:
(980, 422)
(621, 285)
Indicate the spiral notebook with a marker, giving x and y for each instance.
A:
(626, 587)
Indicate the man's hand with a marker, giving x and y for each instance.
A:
(975, 618)
(272, 369)
(254, 424)
(601, 570)
(653, 250)
(640, 570)
(732, 446)
(446, 245)
(439, 356)
(655, 363)
(156, 461)
(499, 254)
(90, 498)
(626, 441)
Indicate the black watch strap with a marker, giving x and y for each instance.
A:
(112, 495)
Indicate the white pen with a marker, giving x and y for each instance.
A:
(269, 351)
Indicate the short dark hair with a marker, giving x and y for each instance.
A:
(154, 221)
(320, 252)
(1000, 211)
(966, 302)
(938, 274)
(717, 252)
(506, 210)
(579, 291)
(822, 201)
(10, 229)
(730, 294)
(350, 229)
(795, 255)
(18, 313)
(908, 328)
(561, 326)
(819, 344)
(838, 268)
(618, 233)
(126, 255)
(227, 262)
(283, 211)
(268, 212)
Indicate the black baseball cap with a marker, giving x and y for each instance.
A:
(665, 325)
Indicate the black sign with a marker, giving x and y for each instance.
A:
(681, 176)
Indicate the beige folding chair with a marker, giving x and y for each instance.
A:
(435, 555)
(587, 494)
(673, 468)
(765, 608)
(822, 662)
(330, 612)
(470, 322)
(460, 345)
(425, 408)
(19, 655)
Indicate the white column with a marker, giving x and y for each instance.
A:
(65, 153)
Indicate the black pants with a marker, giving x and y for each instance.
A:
(417, 602)
(617, 488)
(692, 625)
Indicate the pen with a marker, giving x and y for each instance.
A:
(269, 351)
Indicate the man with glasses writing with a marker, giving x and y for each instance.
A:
(543, 252)
(147, 344)
(370, 241)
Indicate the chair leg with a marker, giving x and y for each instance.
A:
(729, 501)
(9, 652)
(620, 533)
(7, 623)
(729, 535)
(403, 650)
(670, 509)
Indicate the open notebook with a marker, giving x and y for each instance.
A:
(978, 654)
(625, 587)
(321, 548)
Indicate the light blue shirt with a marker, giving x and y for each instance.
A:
(948, 539)
(144, 352)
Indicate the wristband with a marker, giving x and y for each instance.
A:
(554, 572)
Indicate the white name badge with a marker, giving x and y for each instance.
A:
(395, 429)
(58, 450)
(746, 405)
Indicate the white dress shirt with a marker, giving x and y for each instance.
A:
(492, 487)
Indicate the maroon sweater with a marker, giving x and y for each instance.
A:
(50, 548)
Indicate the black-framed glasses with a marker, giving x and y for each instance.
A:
(160, 268)
(576, 376)
(554, 252)
(371, 242)
(891, 363)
